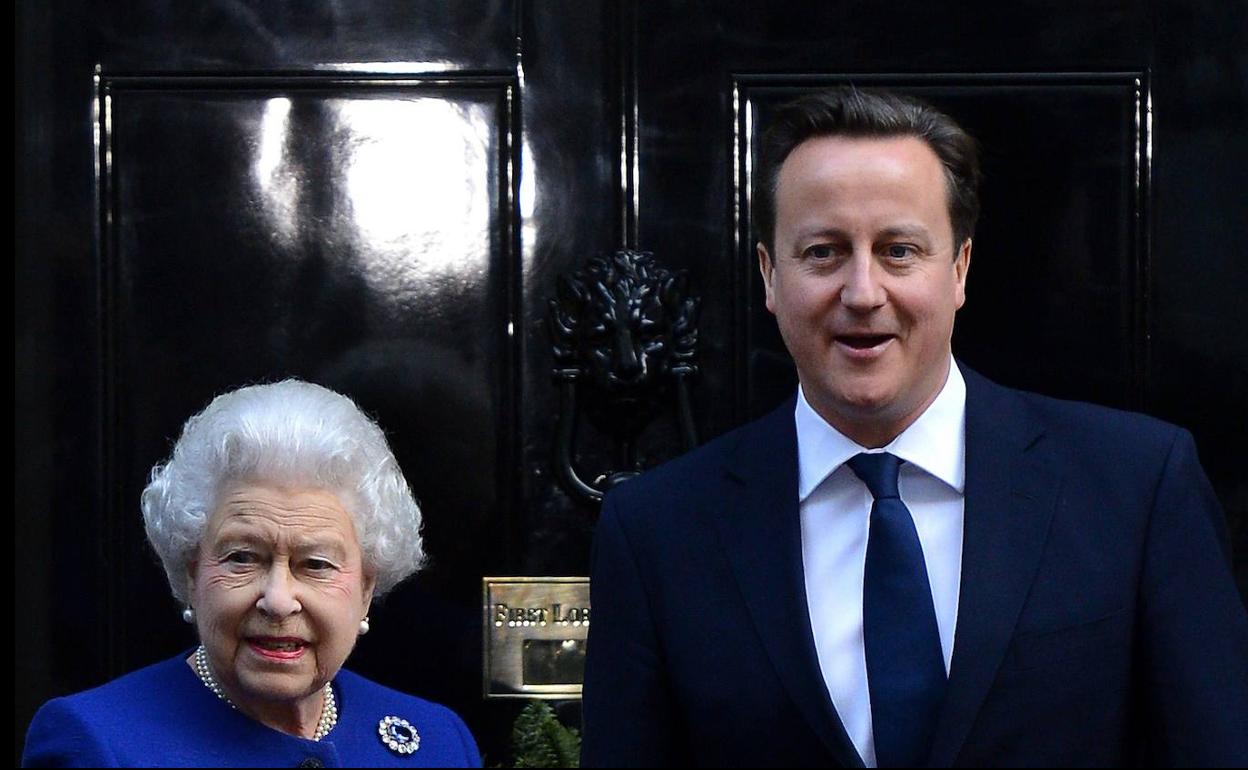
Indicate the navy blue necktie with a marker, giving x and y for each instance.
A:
(905, 666)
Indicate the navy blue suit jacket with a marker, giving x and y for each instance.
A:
(163, 716)
(1098, 621)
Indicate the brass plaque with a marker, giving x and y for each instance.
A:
(535, 631)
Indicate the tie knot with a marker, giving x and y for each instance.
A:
(879, 472)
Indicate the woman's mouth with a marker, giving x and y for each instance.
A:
(277, 648)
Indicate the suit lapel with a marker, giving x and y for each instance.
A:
(761, 535)
(1010, 496)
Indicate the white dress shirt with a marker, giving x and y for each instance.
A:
(836, 514)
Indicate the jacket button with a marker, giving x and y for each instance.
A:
(311, 762)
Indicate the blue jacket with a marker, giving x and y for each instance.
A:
(1098, 621)
(163, 715)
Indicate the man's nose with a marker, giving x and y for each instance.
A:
(278, 599)
(862, 290)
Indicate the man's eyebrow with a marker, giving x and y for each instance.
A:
(905, 231)
(822, 232)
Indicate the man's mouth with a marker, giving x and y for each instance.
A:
(862, 341)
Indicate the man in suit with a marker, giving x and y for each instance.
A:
(907, 564)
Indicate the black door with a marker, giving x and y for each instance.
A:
(381, 197)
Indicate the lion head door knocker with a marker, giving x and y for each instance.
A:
(625, 336)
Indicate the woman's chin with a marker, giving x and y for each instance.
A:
(267, 683)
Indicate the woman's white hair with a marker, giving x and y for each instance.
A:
(294, 434)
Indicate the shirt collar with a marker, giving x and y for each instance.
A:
(935, 442)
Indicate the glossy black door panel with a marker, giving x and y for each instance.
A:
(1052, 144)
(569, 202)
(352, 232)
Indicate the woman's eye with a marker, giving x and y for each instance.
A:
(318, 565)
(241, 557)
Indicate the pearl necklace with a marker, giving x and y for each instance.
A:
(329, 709)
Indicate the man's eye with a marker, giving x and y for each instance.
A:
(819, 251)
(900, 251)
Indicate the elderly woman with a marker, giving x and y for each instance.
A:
(279, 518)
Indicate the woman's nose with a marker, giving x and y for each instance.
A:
(277, 599)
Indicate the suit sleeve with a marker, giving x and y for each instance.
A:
(628, 711)
(1193, 626)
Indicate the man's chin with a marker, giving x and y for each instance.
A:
(868, 410)
(853, 405)
(867, 399)
(864, 413)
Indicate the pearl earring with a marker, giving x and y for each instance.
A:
(364, 626)
(188, 615)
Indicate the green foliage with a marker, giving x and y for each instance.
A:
(539, 739)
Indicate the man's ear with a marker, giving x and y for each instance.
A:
(962, 266)
(767, 268)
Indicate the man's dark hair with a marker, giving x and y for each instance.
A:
(852, 113)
